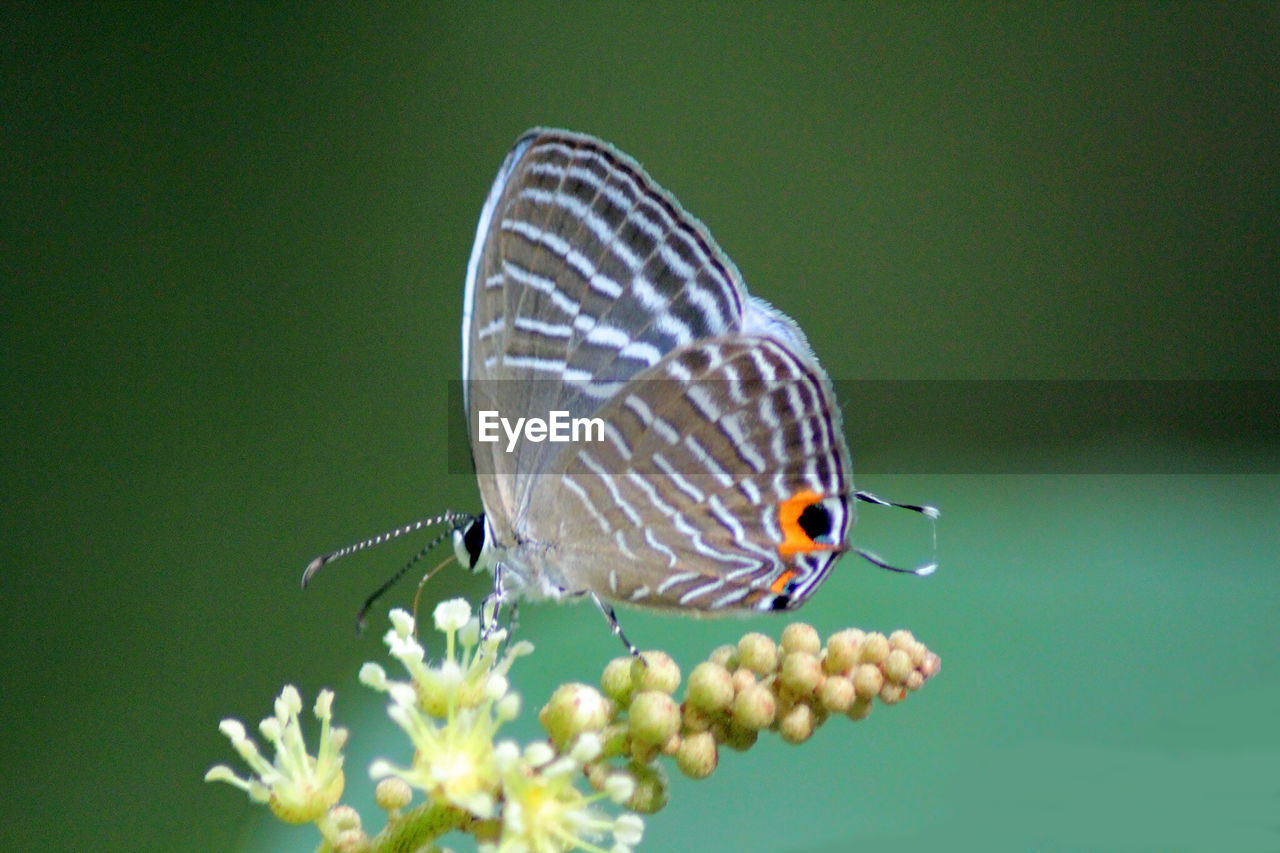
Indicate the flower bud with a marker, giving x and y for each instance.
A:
(739, 738)
(897, 666)
(726, 656)
(867, 680)
(892, 693)
(653, 718)
(859, 709)
(754, 708)
(351, 841)
(657, 671)
(697, 755)
(801, 637)
(875, 648)
(572, 710)
(797, 724)
(800, 672)
(651, 788)
(843, 651)
(742, 679)
(392, 794)
(758, 653)
(616, 680)
(836, 694)
(710, 687)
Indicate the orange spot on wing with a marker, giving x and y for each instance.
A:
(794, 539)
(780, 585)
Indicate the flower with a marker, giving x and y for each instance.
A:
(545, 812)
(452, 710)
(299, 788)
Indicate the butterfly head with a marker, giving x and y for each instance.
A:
(471, 542)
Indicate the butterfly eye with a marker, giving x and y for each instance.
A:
(468, 542)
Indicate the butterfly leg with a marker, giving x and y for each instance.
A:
(491, 607)
(512, 621)
(607, 612)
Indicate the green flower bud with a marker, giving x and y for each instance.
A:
(726, 656)
(651, 788)
(572, 710)
(653, 718)
(739, 738)
(697, 756)
(656, 672)
(710, 687)
(616, 680)
(754, 708)
(859, 709)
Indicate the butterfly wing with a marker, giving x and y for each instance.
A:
(723, 483)
(584, 274)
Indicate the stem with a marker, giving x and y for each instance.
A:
(418, 826)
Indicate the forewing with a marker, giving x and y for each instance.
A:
(584, 274)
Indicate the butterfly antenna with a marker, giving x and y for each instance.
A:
(929, 512)
(391, 581)
(449, 517)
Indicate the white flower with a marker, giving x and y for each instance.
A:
(297, 787)
(543, 810)
(450, 710)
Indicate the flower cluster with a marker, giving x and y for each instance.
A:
(529, 800)
(512, 800)
(790, 687)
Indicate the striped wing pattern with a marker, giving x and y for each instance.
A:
(585, 273)
(680, 507)
(724, 482)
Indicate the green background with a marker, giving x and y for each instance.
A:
(233, 249)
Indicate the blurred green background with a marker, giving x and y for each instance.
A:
(233, 247)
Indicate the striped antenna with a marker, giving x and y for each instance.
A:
(449, 517)
(391, 581)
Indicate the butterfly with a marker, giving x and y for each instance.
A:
(713, 475)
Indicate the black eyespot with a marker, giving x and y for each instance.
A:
(473, 539)
(780, 602)
(815, 521)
